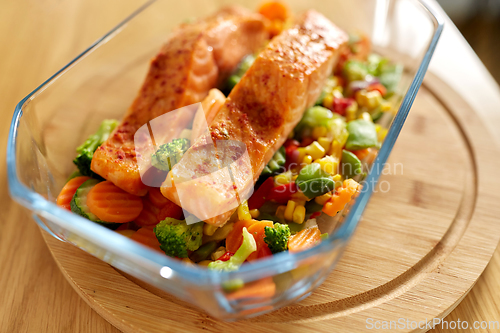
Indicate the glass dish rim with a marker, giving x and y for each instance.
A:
(116, 243)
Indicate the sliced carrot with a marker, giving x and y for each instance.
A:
(148, 215)
(263, 288)
(235, 237)
(361, 153)
(274, 10)
(170, 209)
(304, 239)
(127, 232)
(112, 204)
(156, 198)
(341, 197)
(69, 190)
(257, 231)
(147, 236)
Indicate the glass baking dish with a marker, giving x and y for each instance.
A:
(102, 81)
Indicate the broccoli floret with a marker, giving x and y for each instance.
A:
(176, 237)
(167, 155)
(87, 149)
(276, 237)
(247, 247)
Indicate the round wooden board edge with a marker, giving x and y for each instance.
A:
(462, 113)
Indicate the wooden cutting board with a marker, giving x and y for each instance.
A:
(427, 234)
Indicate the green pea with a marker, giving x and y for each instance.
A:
(351, 165)
(355, 70)
(313, 181)
(315, 187)
(203, 252)
(311, 171)
(362, 134)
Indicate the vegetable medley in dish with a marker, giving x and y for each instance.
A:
(310, 104)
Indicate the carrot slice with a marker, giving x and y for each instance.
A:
(341, 197)
(257, 231)
(156, 198)
(148, 215)
(235, 237)
(112, 204)
(304, 239)
(274, 10)
(263, 288)
(170, 209)
(147, 236)
(69, 190)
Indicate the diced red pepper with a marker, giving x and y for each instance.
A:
(281, 194)
(341, 104)
(290, 146)
(315, 215)
(226, 256)
(377, 86)
(259, 197)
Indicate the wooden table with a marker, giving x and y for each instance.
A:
(36, 39)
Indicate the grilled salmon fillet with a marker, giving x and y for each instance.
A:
(195, 58)
(221, 168)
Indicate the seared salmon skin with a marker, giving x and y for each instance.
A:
(222, 166)
(194, 59)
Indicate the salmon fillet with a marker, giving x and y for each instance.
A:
(195, 58)
(220, 169)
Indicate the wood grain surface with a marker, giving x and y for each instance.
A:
(37, 38)
(423, 241)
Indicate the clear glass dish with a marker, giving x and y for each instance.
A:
(102, 81)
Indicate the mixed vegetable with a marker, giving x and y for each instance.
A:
(317, 171)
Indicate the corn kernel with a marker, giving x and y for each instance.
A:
(328, 101)
(302, 153)
(307, 159)
(338, 180)
(366, 116)
(299, 197)
(322, 199)
(385, 106)
(290, 207)
(325, 142)
(315, 150)
(254, 213)
(283, 178)
(336, 149)
(351, 111)
(221, 250)
(209, 229)
(329, 164)
(382, 134)
(244, 212)
(280, 212)
(337, 92)
(299, 214)
(319, 131)
(369, 99)
(299, 201)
